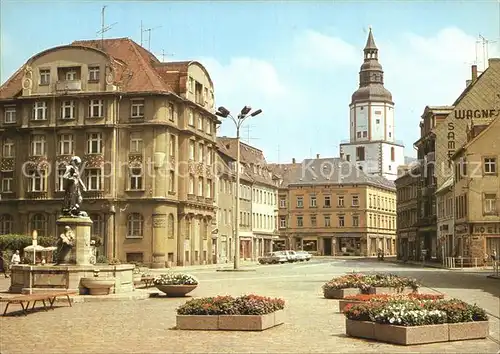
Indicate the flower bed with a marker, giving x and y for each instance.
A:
(244, 313)
(360, 298)
(352, 284)
(175, 284)
(416, 321)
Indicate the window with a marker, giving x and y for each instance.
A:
(136, 178)
(490, 165)
(96, 108)
(40, 111)
(282, 202)
(300, 221)
(172, 145)
(94, 143)
(355, 200)
(300, 202)
(171, 226)
(44, 76)
(190, 117)
(358, 134)
(135, 223)
(93, 73)
(200, 186)
(377, 121)
(38, 145)
(135, 143)
(191, 149)
(341, 202)
(60, 180)
(93, 179)
(327, 220)
(209, 189)
(137, 108)
(171, 181)
(10, 114)
(6, 224)
(201, 151)
(65, 144)
(370, 201)
(341, 221)
(68, 110)
(8, 148)
(282, 222)
(209, 156)
(393, 155)
(7, 182)
(200, 122)
(70, 75)
(171, 111)
(360, 153)
(39, 223)
(313, 220)
(490, 204)
(355, 220)
(313, 201)
(191, 184)
(37, 181)
(348, 157)
(209, 127)
(390, 134)
(191, 85)
(365, 134)
(327, 201)
(96, 230)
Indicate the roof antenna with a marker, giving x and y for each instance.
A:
(149, 34)
(104, 28)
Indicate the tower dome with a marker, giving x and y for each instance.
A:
(371, 76)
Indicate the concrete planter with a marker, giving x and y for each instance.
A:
(387, 290)
(339, 293)
(176, 290)
(98, 285)
(468, 330)
(137, 278)
(343, 303)
(360, 329)
(230, 322)
(411, 335)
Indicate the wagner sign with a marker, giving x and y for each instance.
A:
(476, 113)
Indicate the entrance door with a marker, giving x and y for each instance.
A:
(327, 246)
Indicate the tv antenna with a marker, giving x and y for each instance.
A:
(486, 44)
(104, 28)
(163, 55)
(149, 30)
(248, 130)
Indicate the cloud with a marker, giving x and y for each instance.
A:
(315, 50)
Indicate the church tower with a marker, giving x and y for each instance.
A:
(372, 145)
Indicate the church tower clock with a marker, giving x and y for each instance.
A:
(372, 145)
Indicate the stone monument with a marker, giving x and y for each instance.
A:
(75, 256)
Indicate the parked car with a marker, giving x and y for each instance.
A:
(273, 258)
(291, 256)
(303, 256)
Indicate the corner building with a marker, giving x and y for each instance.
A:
(145, 131)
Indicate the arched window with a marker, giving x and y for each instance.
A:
(393, 155)
(39, 223)
(6, 224)
(135, 223)
(171, 226)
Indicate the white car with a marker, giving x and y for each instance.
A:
(303, 256)
(273, 258)
(291, 256)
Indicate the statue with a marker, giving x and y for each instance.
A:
(72, 188)
(65, 242)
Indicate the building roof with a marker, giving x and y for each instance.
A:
(484, 128)
(334, 171)
(284, 172)
(135, 69)
(370, 42)
(225, 168)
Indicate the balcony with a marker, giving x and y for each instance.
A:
(69, 85)
(191, 197)
(93, 195)
(36, 195)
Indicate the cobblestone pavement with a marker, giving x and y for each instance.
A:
(312, 323)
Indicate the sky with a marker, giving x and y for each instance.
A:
(298, 61)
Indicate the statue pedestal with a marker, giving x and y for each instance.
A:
(81, 251)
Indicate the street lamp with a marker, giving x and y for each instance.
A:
(238, 121)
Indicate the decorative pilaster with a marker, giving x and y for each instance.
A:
(159, 230)
(160, 163)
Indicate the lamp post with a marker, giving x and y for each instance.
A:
(238, 121)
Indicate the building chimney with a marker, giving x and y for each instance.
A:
(474, 72)
(317, 156)
(293, 160)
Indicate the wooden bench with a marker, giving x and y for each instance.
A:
(26, 300)
(148, 281)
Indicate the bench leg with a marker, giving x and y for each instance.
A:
(25, 308)
(34, 303)
(6, 307)
(51, 302)
(69, 301)
(44, 305)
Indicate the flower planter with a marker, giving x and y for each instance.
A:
(137, 279)
(343, 303)
(388, 290)
(230, 322)
(97, 285)
(339, 293)
(468, 330)
(176, 290)
(411, 335)
(360, 329)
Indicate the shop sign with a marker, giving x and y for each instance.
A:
(487, 229)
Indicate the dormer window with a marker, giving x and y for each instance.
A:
(137, 108)
(94, 73)
(70, 75)
(44, 76)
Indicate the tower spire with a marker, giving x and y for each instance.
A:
(370, 42)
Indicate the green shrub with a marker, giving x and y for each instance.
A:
(19, 242)
(102, 259)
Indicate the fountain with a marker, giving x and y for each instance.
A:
(74, 252)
